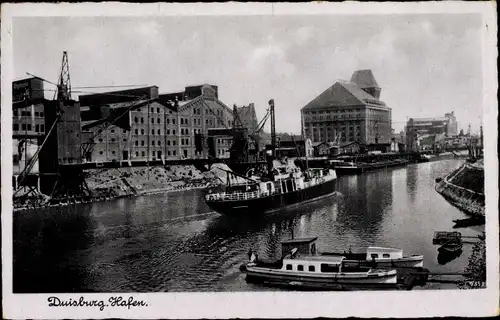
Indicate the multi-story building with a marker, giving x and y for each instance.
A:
(349, 110)
(141, 124)
(28, 121)
(417, 128)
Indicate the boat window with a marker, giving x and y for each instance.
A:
(386, 255)
(289, 267)
(374, 255)
(300, 267)
(325, 267)
(312, 269)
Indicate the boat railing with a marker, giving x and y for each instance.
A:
(238, 195)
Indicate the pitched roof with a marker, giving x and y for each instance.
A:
(343, 94)
(335, 96)
(364, 79)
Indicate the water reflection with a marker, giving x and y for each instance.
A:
(445, 257)
(411, 181)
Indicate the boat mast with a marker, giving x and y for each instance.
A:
(305, 142)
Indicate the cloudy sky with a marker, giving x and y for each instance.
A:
(427, 65)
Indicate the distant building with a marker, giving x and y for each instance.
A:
(419, 128)
(351, 109)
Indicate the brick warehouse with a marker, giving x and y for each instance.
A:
(351, 110)
(151, 126)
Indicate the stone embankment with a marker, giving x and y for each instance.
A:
(106, 184)
(464, 188)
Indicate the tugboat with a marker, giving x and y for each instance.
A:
(301, 268)
(381, 257)
(282, 187)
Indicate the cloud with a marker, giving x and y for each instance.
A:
(426, 64)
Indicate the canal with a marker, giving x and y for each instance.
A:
(174, 242)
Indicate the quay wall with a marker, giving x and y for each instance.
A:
(110, 183)
(464, 188)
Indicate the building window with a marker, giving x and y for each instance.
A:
(152, 110)
(142, 120)
(142, 131)
(168, 142)
(158, 110)
(159, 142)
(153, 143)
(37, 127)
(113, 152)
(168, 131)
(386, 255)
(173, 152)
(142, 143)
(100, 152)
(300, 267)
(124, 139)
(152, 120)
(173, 132)
(112, 139)
(42, 128)
(168, 121)
(173, 121)
(15, 126)
(100, 139)
(112, 130)
(136, 131)
(168, 152)
(152, 131)
(137, 153)
(136, 143)
(312, 269)
(289, 267)
(41, 113)
(182, 120)
(158, 120)
(154, 153)
(187, 142)
(174, 142)
(143, 153)
(158, 131)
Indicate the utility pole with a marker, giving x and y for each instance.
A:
(482, 141)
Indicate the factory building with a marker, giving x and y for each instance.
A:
(28, 121)
(418, 128)
(350, 111)
(141, 124)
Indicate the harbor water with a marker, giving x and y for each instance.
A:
(174, 242)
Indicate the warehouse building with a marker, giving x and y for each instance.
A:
(351, 110)
(141, 124)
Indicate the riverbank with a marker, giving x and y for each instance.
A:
(464, 188)
(108, 184)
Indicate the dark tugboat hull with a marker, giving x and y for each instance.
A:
(273, 203)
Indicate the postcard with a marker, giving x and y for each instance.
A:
(236, 160)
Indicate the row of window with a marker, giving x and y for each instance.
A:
(16, 113)
(154, 153)
(28, 127)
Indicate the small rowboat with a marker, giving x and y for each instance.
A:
(450, 248)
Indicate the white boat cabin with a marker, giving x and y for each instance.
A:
(379, 253)
(314, 264)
